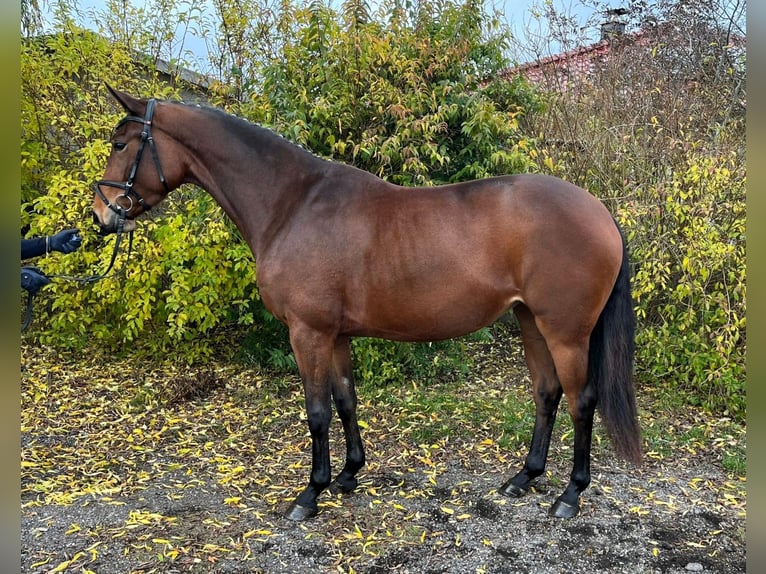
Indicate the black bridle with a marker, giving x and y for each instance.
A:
(128, 192)
(127, 188)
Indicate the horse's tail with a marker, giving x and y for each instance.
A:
(610, 366)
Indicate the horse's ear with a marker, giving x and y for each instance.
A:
(131, 105)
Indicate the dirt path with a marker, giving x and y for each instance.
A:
(115, 480)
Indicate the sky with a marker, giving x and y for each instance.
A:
(532, 38)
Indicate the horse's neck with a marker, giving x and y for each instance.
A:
(258, 179)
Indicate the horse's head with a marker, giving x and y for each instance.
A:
(141, 169)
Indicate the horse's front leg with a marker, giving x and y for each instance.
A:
(313, 353)
(344, 395)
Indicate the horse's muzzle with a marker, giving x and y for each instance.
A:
(112, 224)
(102, 229)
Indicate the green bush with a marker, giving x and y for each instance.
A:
(188, 270)
(687, 237)
(401, 96)
(379, 362)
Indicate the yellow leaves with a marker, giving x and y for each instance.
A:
(639, 510)
(426, 460)
(171, 553)
(670, 504)
(63, 566)
(74, 561)
(367, 541)
(209, 547)
(160, 541)
(735, 500)
(229, 474)
(40, 563)
(145, 518)
(260, 532)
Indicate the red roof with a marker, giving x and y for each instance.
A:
(580, 62)
(568, 65)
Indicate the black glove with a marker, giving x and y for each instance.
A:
(33, 279)
(65, 241)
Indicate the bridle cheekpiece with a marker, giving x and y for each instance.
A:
(128, 192)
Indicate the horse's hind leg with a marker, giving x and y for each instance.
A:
(547, 394)
(344, 395)
(572, 364)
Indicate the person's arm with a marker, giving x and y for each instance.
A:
(64, 241)
(33, 247)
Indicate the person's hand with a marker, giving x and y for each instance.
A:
(65, 241)
(33, 279)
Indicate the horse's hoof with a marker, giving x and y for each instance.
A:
(510, 489)
(299, 513)
(563, 510)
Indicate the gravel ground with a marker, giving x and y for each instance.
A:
(484, 533)
(425, 508)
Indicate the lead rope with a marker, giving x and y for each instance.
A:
(87, 279)
(28, 312)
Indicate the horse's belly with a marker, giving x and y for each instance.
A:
(428, 315)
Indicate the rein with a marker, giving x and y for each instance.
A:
(84, 279)
(88, 279)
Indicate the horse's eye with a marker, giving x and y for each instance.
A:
(119, 146)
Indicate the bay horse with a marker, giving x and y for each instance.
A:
(342, 253)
